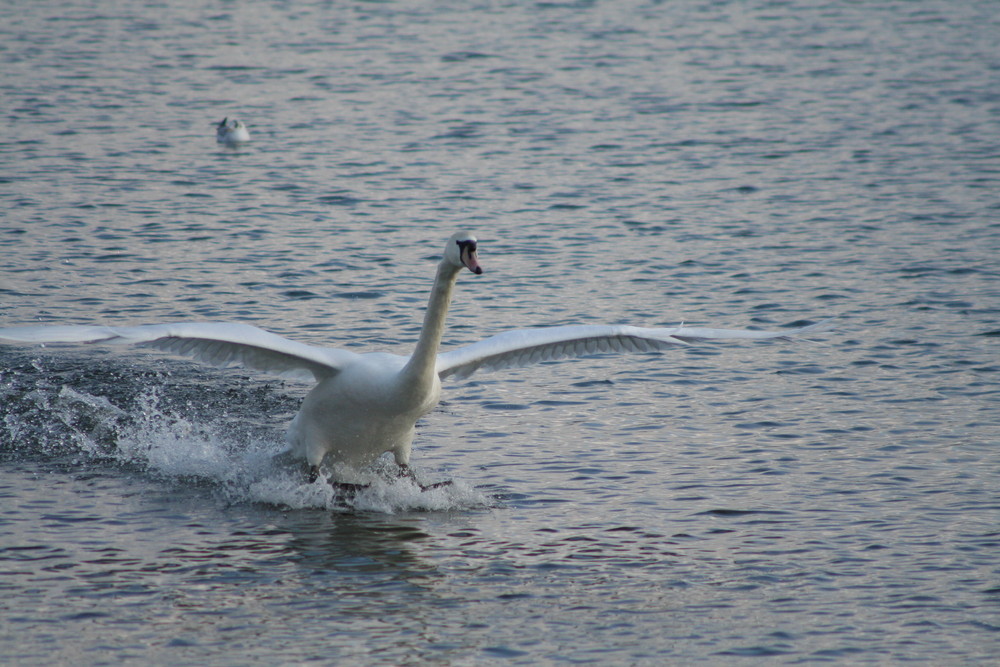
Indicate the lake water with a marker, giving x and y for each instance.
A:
(716, 163)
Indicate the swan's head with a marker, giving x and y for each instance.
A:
(461, 251)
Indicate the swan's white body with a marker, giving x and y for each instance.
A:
(231, 132)
(364, 405)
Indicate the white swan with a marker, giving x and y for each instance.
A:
(231, 132)
(364, 405)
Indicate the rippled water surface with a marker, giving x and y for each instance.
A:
(715, 163)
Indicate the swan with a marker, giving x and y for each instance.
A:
(364, 405)
(231, 132)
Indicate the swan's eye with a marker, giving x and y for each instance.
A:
(469, 246)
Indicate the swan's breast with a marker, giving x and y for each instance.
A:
(371, 392)
(362, 411)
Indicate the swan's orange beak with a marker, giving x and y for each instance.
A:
(470, 260)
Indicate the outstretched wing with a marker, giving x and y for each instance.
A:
(530, 346)
(221, 344)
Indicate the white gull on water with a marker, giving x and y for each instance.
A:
(231, 132)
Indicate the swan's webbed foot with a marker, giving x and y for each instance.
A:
(406, 471)
(347, 490)
(435, 485)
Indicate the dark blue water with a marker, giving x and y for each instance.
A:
(714, 163)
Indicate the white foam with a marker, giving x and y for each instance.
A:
(242, 468)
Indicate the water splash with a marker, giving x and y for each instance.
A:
(239, 466)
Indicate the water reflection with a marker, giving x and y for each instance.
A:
(356, 543)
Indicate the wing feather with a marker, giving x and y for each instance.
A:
(219, 344)
(523, 347)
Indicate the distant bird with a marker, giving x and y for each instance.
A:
(231, 132)
(365, 405)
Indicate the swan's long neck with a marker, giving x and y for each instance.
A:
(422, 365)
